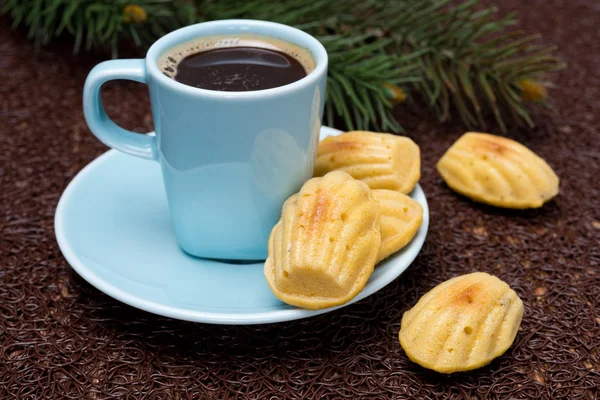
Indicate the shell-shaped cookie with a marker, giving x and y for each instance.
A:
(462, 324)
(323, 249)
(497, 171)
(401, 218)
(381, 160)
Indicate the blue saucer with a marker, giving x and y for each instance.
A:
(113, 227)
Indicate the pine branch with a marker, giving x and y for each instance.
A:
(454, 55)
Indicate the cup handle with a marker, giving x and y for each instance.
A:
(100, 124)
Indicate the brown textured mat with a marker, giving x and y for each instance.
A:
(60, 337)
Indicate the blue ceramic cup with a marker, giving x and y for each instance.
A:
(229, 159)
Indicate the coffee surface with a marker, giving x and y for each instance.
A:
(235, 63)
(239, 69)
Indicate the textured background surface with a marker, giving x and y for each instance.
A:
(61, 337)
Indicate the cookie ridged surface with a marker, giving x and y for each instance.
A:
(401, 218)
(324, 248)
(462, 324)
(381, 160)
(498, 171)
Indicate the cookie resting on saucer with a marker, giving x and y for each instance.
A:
(323, 249)
(401, 218)
(381, 160)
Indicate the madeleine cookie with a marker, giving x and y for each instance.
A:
(401, 218)
(462, 324)
(381, 160)
(497, 171)
(323, 249)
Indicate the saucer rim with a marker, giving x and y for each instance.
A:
(409, 254)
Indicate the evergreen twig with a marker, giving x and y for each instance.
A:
(455, 55)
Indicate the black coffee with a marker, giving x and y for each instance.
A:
(237, 63)
(239, 69)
